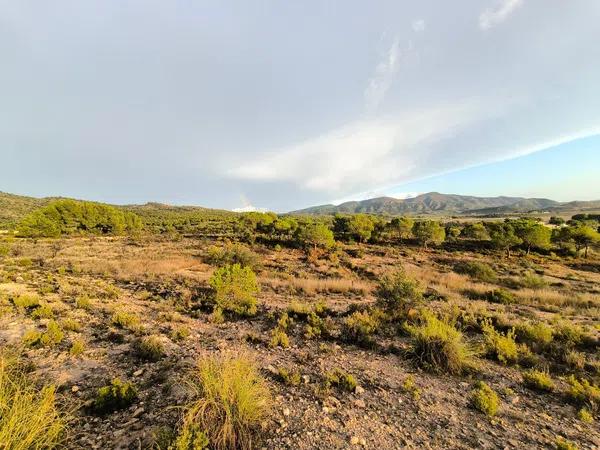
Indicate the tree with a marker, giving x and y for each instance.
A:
(475, 231)
(285, 227)
(453, 231)
(429, 232)
(361, 226)
(235, 289)
(584, 236)
(397, 293)
(556, 220)
(317, 235)
(562, 236)
(402, 227)
(503, 236)
(533, 234)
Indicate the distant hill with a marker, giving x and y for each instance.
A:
(14, 207)
(448, 204)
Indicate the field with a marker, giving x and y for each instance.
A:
(343, 368)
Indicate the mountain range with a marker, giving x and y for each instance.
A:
(450, 204)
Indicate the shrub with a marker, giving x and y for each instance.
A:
(563, 444)
(340, 379)
(180, 333)
(117, 395)
(123, 319)
(500, 346)
(574, 359)
(291, 377)
(501, 296)
(29, 417)
(438, 345)
(484, 399)
(232, 254)
(585, 415)
(150, 348)
(397, 294)
(43, 312)
(26, 301)
(216, 316)
(316, 326)
(533, 281)
(235, 289)
(279, 338)
(77, 347)
(191, 437)
(584, 394)
(51, 337)
(359, 327)
(477, 270)
(71, 325)
(234, 401)
(539, 334)
(31, 338)
(538, 380)
(411, 387)
(83, 302)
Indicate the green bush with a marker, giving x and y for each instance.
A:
(123, 319)
(83, 302)
(77, 348)
(150, 348)
(279, 338)
(501, 296)
(359, 327)
(43, 312)
(538, 380)
(191, 437)
(235, 289)
(340, 379)
(290, 377)
(484, 399)
(117, 395)
(563, 444)
(537, 334)
(477, 270)
(500, 346)
(584, 394)
(397, 294)
(232, 253)
(26, 301)
(438, 345)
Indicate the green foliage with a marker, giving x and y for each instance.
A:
(533, 281)
(232, 253)
(150, 348)
(316, 235)
(43, 312)
(533, 234)
(537, 334)
(53, 335)
(501, 296)
(235, 289)
(397, 294)
(123, 319)
(585, 415)
(316, 326)
(584, 394)
(401, 227)
(117, 395)
(234, 401)
(179, 333)
(279, 338)
(438, 346)
(340, 379)
(360, 326)
(564, 444)
(77, 348)
(191, 437)
(503, 236)
(477, 270)
(429, 232)
(360, 226)
(538, 380)
(485, 399)
(26, 301)
(70, 325)
(67, 217)
(584, 236)
(475, 231)
(500, 346)
(290, 377)
(83, 302)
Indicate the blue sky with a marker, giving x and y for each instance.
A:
(283, 105)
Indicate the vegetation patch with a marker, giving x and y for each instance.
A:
(115, 396)
(485, 399)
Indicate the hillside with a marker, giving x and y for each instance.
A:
(14, 207)
(436, 203)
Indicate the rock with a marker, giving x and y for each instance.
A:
(515, 399)
(354, 440)
(286, 412)
(306, 379)
(74, 388)
(360, 403)
(139, 372)
(137, 412)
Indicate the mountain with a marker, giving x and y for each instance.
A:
(448, 204)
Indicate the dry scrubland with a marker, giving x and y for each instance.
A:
(366, 346)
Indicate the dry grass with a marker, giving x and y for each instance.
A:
(312, 286)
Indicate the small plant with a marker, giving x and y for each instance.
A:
(397, 294)
(71, 325)
(290, 377)
(279, 338)
(83, 302)
(52, 336)
(340, 379)
(501, 296)
(233, 402)
(26, 302)
(316, 326)
(150, 348)
(574, 359)
(533, 281)
(216, 316)
(359, 327)
(125, 320)
(179, 333)
(43, 312)
(191, 437)
(584, 394)
(439, 346)
(585, 415)
(31, 338)
(29, 417)
(77, 348)
(411, 387)
(500, 346)
(117, 395)
(538, 380)
(485, 399)
(235, 289)
(563, 444)
(538, 334)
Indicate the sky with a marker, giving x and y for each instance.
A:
(284, 105)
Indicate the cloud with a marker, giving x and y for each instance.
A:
(363, 154)
(382, 80)
(498, 14)
(418, 25)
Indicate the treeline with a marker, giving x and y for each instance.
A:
(71, 217)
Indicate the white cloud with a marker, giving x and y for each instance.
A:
(362, 154)
(498, 14)
(381, 81)
(418, 25)
(249, 208)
